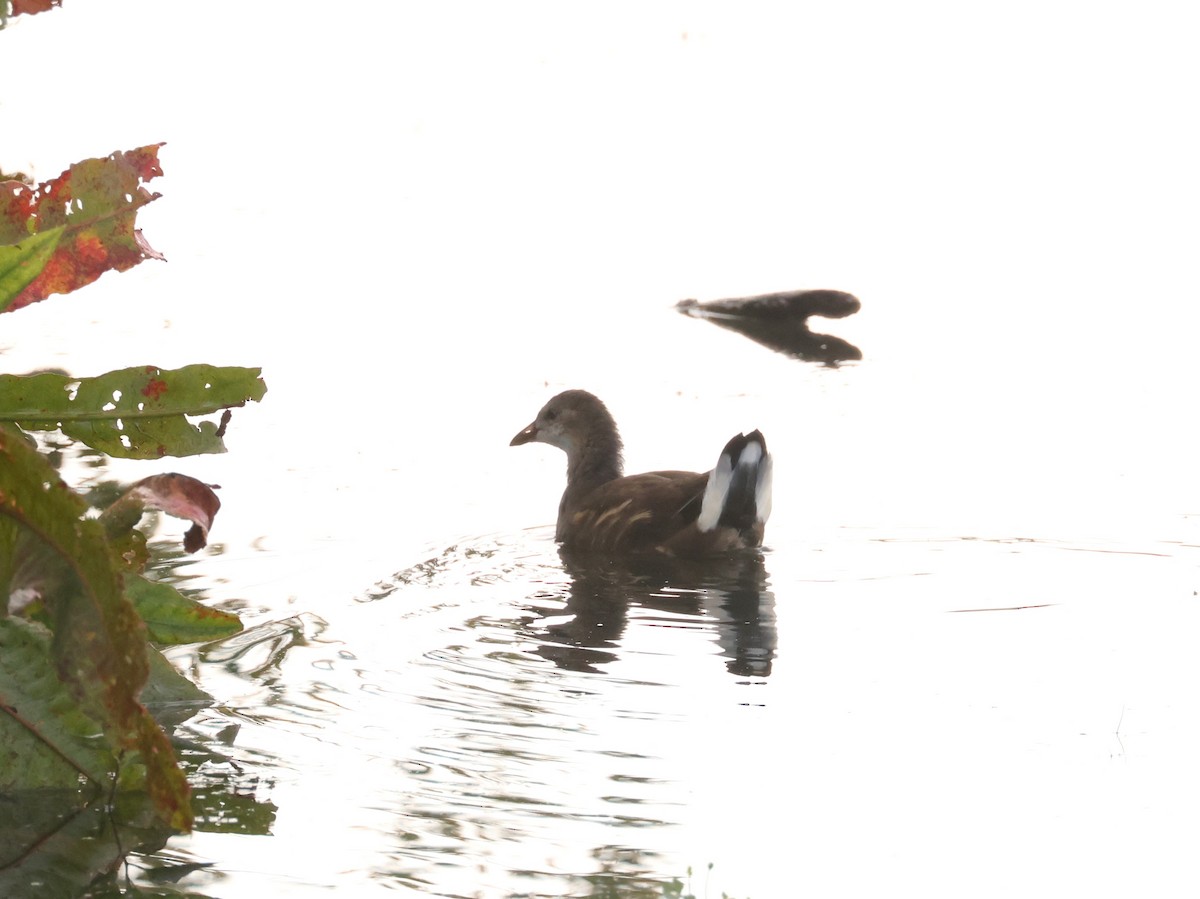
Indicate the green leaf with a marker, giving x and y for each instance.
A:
(172, 617)
(46, 740)
(9, 535)
(99, 641)
(136, 413)
(21, 263)
(145, 439)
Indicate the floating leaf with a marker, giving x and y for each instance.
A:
(95, 202)
(780, 321)
(137, 413)
(21, 263)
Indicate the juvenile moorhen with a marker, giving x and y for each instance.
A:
(675, 513)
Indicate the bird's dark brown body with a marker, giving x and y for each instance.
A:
(676, 513)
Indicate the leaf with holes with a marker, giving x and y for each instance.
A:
(134, 413)
(21, 263)
(95, 202)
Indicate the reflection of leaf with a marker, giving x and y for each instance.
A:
(45, 839)
(221, 810)
(137, 413)
(172, 617)
(169, 696)
(262, 648)
(38, 713)
(96, 202)
(21, 263)
(175, 494)
(99, 640)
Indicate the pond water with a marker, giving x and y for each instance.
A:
(964, 663)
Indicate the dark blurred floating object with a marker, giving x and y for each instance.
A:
(780, 321)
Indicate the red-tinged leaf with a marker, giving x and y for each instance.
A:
(96, 202)
(29, 7)
(21, 263)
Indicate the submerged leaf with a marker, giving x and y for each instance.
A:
(139, 412)
(96, 202)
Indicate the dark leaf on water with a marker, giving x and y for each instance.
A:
(780, 321)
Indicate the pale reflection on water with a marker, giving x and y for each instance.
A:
(497, 720)
(523, 726)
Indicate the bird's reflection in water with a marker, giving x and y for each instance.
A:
(730, 591)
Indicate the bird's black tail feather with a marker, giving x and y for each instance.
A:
(738, 494)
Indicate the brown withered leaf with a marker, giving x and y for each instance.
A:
(176, 494)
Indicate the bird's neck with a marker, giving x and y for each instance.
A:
(597, 460)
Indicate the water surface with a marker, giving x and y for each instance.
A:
(963, 663)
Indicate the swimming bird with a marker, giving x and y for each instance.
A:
(675, 513)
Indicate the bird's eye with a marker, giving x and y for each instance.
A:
(551, 415)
